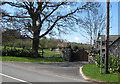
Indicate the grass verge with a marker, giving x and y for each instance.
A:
(92, 71)
(28, 59)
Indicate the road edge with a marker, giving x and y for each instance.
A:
(87, 78)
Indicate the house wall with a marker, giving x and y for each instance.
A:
(114, 49)
(112, 38)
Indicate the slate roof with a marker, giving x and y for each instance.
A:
(117, 40)
(112, 38)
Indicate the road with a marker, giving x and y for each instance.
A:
(41, 72)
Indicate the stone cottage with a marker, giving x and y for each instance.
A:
(113, 43)
(114, 48)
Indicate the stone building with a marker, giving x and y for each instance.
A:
(113, 43)
(114, 48)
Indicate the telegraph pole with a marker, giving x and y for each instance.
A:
(107, 37)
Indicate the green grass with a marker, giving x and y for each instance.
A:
(92, 71)
(48, 53)
(10, 47)
(28, 59)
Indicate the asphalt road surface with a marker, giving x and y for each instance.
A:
(42, 72)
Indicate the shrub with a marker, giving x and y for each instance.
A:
(18, 52)
(98, 63)
(113, 63)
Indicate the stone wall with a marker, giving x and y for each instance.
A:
(114, 48)
(75, 55)
(91, 59)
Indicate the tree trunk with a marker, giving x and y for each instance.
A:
(35, 44)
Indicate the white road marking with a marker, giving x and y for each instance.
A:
(12, 78)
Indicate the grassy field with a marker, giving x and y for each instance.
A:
(48, 53)
(92, 71)
(28, 59)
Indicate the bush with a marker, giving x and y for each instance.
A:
(98, 59)
(18, 52)
(113, 63)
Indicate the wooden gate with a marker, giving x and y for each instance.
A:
(80, 55)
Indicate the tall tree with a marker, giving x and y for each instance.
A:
(37, 19)
(93, 24)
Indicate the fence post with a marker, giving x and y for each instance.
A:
(42, 52)
(69, 53)
(83, 54)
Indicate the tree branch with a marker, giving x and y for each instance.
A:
(49, 29)
(28, 36)
(15, 4)
(58, 18)
(26, 6)
(5, 14)
(51, 12)
(40, 8)
(54, 5)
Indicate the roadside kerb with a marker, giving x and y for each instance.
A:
(87, 78)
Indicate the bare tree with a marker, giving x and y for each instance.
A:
(37, 19)
(93, 24)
